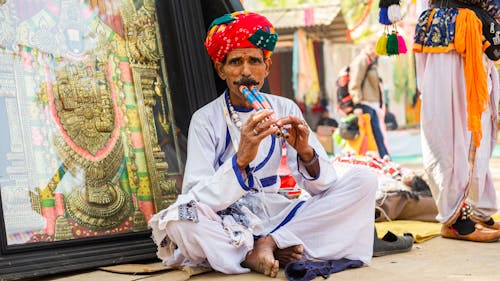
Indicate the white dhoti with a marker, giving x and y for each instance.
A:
(446, 141)
(338, 223)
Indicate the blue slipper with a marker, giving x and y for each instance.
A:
(308, 270)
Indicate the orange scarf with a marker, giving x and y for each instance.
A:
(468, 43)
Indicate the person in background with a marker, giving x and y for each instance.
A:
(459, 86)
(326, 120)
(230, 215)
(364, 88)
(325, 127)
(390, 121)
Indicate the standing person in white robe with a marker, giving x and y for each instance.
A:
(230, 213)
(460, 87)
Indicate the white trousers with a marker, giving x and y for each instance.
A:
(335, 224)
(446, 140)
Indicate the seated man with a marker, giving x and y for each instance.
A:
(230, 214)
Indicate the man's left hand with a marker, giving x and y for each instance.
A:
(298, 138)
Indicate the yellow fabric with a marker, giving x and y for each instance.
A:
(422, 231)
(413, 113)
(365, 141)
(468, 43)
(381, 47)
(312, 94)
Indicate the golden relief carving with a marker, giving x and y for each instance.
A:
(90, 146)
(82, 91)
(145, 53)
(96, 90)
(141, 35)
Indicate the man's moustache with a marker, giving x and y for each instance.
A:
(246, 81)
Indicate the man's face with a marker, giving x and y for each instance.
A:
(243, 63)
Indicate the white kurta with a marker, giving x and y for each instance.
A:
(337, 222)
(446, 139)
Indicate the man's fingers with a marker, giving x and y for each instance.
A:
(260, 116)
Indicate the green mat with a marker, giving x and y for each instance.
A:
(407, 159)
(496, 151)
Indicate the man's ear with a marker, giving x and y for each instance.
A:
(219, 68)
(269, 63)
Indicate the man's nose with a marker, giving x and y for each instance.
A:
(246, 71)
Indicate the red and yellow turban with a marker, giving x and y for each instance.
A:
(241, 29)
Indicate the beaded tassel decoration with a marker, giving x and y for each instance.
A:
(394, 13)
(390, 14)
(383, 16)
(392, 44)
(390, 11)
(381, 47)
(401, 44)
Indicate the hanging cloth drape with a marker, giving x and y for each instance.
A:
(305, 76)
(312, 94)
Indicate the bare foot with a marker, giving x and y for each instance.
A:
(261, 258)
(286, 255)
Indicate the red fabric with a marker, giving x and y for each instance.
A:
(288, 182)
(223, 38)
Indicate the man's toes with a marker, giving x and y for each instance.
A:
(267, 267)
(274, 269)
(299, 249)
(264, 267)
(296, 256)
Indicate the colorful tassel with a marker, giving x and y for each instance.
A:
(392, 44)
(381, 47)
(383, 17)
(394, 13)
(401, 45)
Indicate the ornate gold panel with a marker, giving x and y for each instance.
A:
(87, 120)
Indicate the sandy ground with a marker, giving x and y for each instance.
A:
(436, 259)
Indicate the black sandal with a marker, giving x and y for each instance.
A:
(391, 244)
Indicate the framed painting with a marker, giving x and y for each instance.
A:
(88, 148)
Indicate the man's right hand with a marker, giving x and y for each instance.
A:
(258, 127)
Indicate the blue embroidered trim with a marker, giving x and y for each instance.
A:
(269, 154)
(268, 181)
(441, 31)
(240, 178)
(241, 109)
(289, 216)
(304, 176)
(228, 140)
(273, 143)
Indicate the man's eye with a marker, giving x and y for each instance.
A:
(234, 62)
(255, 60)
